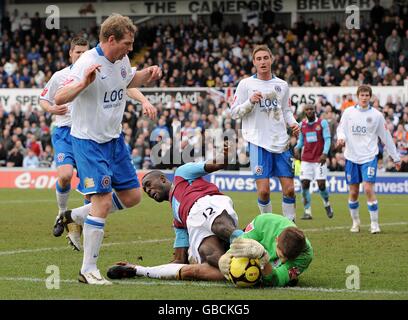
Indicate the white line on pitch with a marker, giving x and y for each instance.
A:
(347, 227)
(216, 284)
(109, 244)
(11, 252)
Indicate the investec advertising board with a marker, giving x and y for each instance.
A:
(242, 181)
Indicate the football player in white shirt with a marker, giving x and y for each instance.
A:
(359, 129)
(97, 88)
(262, 101)
(61, 137)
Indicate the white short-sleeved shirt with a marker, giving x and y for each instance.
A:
(265, 125)
(48, 94)
(361, 128)
(97, 111)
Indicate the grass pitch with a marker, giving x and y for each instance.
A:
(144, 235)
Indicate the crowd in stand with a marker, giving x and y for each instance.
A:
(208, 55)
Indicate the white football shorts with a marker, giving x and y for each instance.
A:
(312, 171)
(200, 219)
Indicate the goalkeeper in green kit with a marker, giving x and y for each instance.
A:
(283, 250)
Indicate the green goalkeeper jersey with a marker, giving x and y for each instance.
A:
(264, 229)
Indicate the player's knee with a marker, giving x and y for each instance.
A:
(305, 184)
(64, 180)
(289, 192)
(263, 193)
(131, 199)
(322, 185)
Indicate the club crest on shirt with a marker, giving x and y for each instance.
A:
(318, 128)
(258, 170)
(293, 273)
(369, 119)
(105, 181)
(123, 72)
(249, 227)
(278, 89)
(60, 157)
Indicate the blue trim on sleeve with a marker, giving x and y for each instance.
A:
(326, 136)
(191, 171)
(181, 240)
(299, 144)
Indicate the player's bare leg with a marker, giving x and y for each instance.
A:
(353, 206)
(129, 198)
(307, 215)
(325, 196)
(225, 228)
(289, 200)
(201, 271)
(211, 249)
(171, 271)
(372, 205)
(264, 195)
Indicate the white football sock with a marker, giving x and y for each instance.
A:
(373, 210)
(265, 206)
(168, 271)
(354, 211)
(79, 214)
(93, 237)
(62, 197)
(288, 208)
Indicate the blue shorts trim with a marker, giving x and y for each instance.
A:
(357, 173)
(103, 166)
(266, 164)
(62, 144)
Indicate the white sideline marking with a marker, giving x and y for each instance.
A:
(6, 253)
(214, 284)
(347, 227)
(26, 201)
(11, 252)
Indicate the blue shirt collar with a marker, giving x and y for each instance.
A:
(99, 50)
(361, 109)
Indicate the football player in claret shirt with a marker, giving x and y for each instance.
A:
(283, 251)
(315, 141)
(359, 129)
(200, 210)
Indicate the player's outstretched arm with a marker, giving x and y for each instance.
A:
(219, 162)
(148, 109)
(145, 76)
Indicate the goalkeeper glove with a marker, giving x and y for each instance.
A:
(249, 248)
(224, 264)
